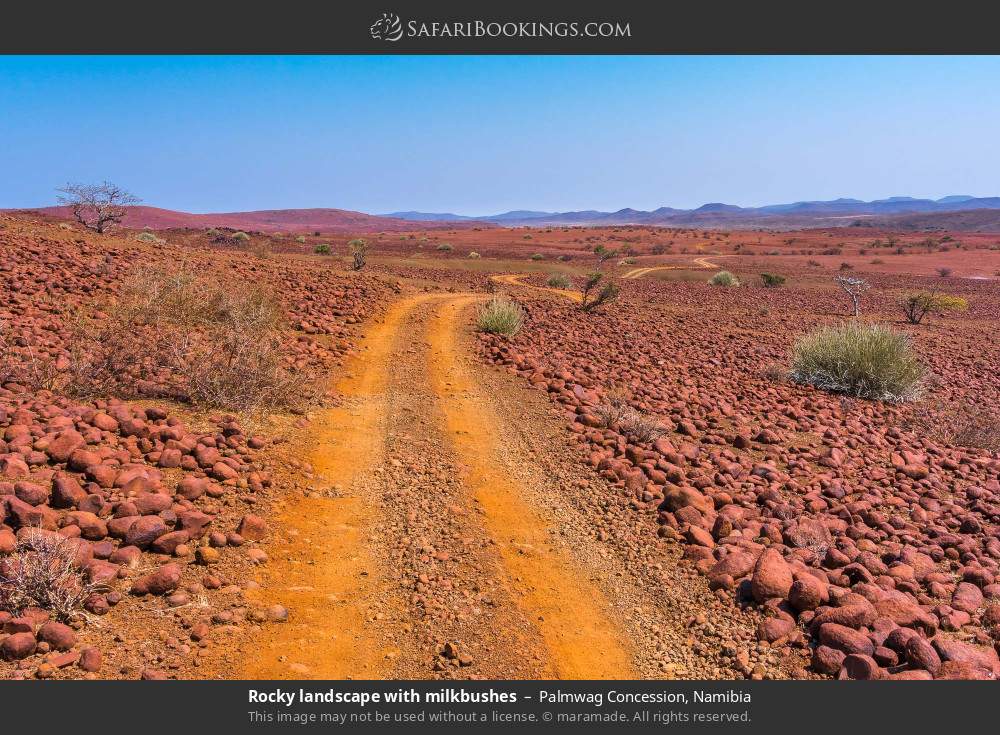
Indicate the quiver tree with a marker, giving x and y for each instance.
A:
(97, 206)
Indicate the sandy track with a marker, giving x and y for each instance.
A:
(582, 638)
(322, 566)
(442, 543)
(700, 262)
(515, 279)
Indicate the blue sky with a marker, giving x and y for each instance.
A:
(477, 135)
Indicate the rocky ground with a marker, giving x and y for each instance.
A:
(839, 524)
(436, 517)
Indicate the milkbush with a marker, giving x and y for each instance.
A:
(724, 278)
(501, 316)
(864, 360)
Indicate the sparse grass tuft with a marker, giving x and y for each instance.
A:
(559, 280)
(724, 279)
(474, 255)
(772, 280)
(863, 360)
(501, 316)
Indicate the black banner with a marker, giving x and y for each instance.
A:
(502, 706)
(449, 27)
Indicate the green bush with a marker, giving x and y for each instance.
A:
(559, 280)
(241, 236)
(322, 249)
(863, 360)
(538, 256)
(772, 280)
(445, 247)
(724, 278)
(146, 237)
(213, 232)
(300, 238)
(501, 316)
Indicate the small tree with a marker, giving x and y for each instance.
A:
(359, 249)
(854, 288)
(607, 294)
(97, 206)
(603, 255)
(918, 305)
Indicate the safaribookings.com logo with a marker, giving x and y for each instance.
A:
(390, 28)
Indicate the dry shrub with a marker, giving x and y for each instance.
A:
(617, 413)
(23, 366)
(191, 337)
(960, 425)
(43, 572)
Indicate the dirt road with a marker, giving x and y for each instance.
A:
(449, 539)
(700, 262)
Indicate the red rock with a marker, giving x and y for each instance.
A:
(91, 527)
(194, 522)
(845, 639)
(968, 598)
(860, 667)
(163, 580)
(17, 646)
(827, 660)
(31, 493)
(64, 445)
(775, 628)
(8, 541)
(806, 593)
(772, 577)
(982, 658)
(91, 659)
(921, 654)
(168, 542)
(145, 531)
(66, 491)
(59, 636)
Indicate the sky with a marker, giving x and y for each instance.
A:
(482, 135)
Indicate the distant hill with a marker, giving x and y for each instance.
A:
(829, 213)
(268, 220)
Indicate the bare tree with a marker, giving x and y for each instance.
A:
(97, 206)
(854, 287)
